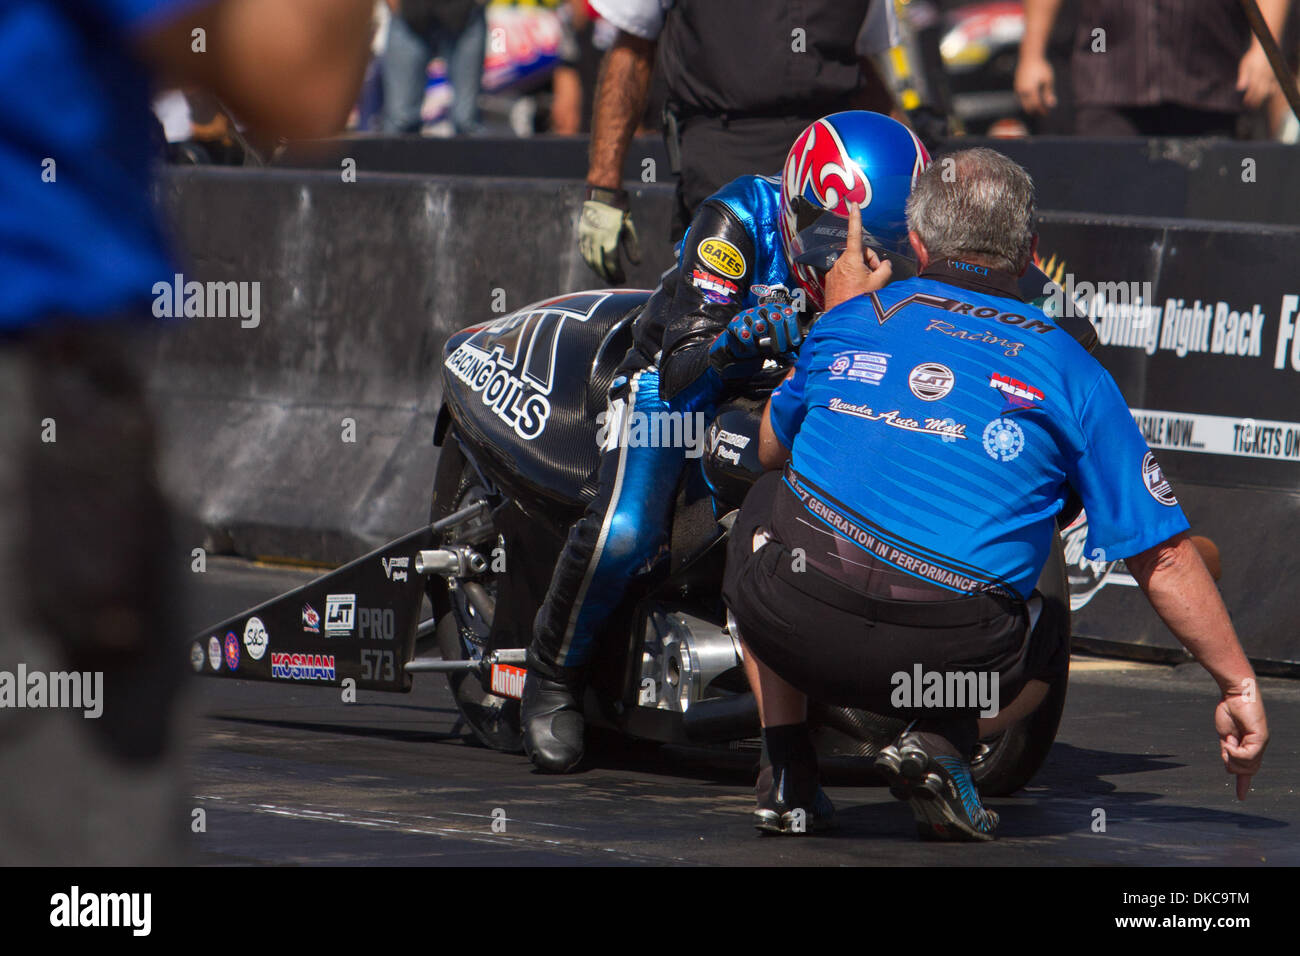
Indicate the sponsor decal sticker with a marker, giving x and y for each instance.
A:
(712, 285)
(232, 651)
(930, 381)
(340, 614)
(510, 363)
(255, 638)
(302, 666)
(196, 657)
(214, 652)
(945, 428)
(727, 445)
(722, 256)
(1017, 394)
(508, 681)
(1004, 440)
(865, 367)
(310, 620)
(1157, 484)
(395, 568)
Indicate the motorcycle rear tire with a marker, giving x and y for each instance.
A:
(1009, 762)
(1005, 763)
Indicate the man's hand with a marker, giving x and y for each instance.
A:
(604, 231)
(858, 270)
(1243, 735)
(1035, 85)
(1175, 580)
(1255, 78)
(760, 331)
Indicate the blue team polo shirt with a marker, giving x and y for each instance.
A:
(942, 422)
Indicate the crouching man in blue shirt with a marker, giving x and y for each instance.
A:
(920, 450)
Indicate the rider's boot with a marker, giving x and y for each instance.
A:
(551, 714)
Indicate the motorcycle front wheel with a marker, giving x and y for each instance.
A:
(462, 633)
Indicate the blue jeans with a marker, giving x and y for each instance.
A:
(406, 60)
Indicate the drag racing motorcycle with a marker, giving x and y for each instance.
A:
(524, 400)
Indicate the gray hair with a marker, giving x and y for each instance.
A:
(975, 204)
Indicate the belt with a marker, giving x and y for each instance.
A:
(774, 559)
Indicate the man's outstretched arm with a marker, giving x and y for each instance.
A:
(1182, 592)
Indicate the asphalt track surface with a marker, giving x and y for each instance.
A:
(290, 775)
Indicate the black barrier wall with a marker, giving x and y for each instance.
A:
(1200, 326)
(361, 282)
(1226, 180)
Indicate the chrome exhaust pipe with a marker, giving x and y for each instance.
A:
(450, 562)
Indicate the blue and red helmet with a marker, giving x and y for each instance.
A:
(850, 157)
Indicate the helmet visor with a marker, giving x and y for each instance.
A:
(821, 236)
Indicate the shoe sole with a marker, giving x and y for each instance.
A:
(912, 781)
(770, 823)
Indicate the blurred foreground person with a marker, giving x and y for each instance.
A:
(90, 654)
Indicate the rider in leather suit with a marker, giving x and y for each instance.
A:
(704, 328)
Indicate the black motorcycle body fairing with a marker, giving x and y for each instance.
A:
(527, 392)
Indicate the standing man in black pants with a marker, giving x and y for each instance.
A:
(743, 81)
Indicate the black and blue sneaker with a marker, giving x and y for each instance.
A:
(928, 772)
(787, 805)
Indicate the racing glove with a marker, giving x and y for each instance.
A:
(604, 230)
(754, 334)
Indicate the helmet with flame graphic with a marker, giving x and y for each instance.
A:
(851, 157)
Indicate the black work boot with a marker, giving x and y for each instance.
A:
(551, 714)
(790, 799)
